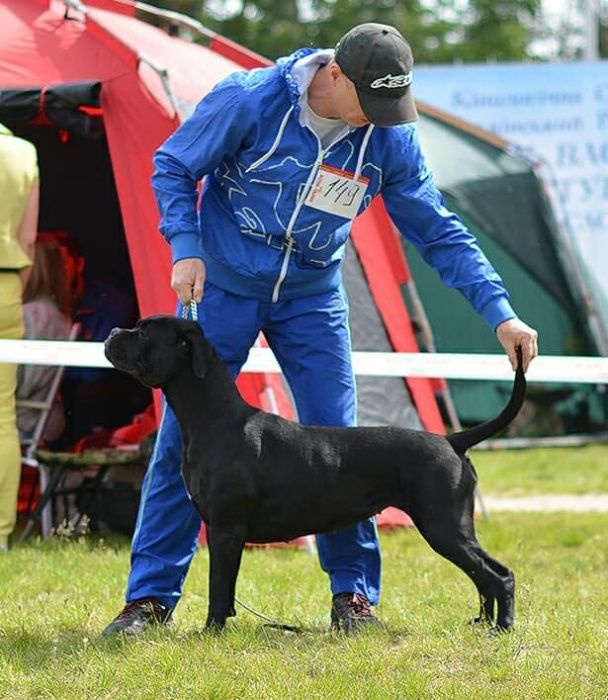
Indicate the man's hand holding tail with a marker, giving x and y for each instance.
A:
(515, 333)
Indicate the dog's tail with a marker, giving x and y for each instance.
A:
(467, 438)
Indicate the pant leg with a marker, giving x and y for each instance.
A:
(11, 327)
(311, 340)
(167, 525)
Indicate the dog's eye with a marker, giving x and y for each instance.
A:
(183, 343)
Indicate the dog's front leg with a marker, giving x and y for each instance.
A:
(225, 550)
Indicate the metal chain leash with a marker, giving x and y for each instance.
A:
(190, 308)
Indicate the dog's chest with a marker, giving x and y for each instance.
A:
(216, 486)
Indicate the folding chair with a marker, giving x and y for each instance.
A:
(32, 445)
(61, 463)
(100, 451)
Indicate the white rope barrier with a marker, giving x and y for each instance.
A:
(583, 370)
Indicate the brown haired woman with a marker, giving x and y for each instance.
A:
(46, 315)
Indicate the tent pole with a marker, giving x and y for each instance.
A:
(177, 18)
(163, 74)
(422, 320)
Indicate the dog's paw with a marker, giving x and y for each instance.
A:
(215, 626)
(498, 631)
(479, 621)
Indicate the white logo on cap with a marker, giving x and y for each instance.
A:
(393, 81)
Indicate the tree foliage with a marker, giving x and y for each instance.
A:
(439, 31)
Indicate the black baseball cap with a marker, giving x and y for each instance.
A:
(379, 61)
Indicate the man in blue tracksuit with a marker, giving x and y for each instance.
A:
(290, 155)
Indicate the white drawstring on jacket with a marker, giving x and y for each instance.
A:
(275, 143)
(362, 150)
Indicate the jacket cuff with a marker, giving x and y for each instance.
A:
(496, 311)
(185, 245)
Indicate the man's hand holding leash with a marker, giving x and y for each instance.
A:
(188, 279)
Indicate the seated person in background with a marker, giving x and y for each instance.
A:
(96, 397)
(47, 316)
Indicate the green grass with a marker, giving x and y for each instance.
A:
(544, 470)
(57, 595)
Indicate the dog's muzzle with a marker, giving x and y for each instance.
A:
(114, 349)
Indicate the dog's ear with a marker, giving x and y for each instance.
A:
(200, 348)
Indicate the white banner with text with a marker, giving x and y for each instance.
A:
(555, 111)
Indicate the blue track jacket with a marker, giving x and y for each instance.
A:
(260, 230)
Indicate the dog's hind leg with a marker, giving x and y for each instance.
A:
(503, 597)
(225, 551)
(494, 582)
(505, 593)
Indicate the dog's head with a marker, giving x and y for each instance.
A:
(158, 348)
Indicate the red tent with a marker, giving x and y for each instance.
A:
(143, 77)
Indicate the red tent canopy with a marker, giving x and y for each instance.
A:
(44, 44)
(40, 47)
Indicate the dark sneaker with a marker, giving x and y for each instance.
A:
(139, 615)
(351, 612)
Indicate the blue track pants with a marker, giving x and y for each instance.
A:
(311, 340)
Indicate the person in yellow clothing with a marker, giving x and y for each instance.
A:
(19, 196)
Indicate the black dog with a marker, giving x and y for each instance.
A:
(255, 477)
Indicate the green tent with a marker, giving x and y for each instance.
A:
(501, 198)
